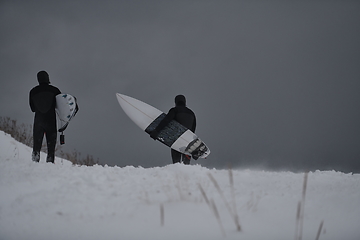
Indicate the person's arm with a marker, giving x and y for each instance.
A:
(31, 103)
(167, 119)
(194, 124)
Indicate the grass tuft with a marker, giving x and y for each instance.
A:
(23, 133)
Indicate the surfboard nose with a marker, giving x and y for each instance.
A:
(142, 114)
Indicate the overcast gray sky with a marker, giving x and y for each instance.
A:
(274, 84)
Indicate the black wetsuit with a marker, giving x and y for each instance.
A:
(185, 117)
(42, 102)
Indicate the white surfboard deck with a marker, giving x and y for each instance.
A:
(144, 116)
(66, 109)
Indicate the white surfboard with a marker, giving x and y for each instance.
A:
(175, 136)
(66, 108)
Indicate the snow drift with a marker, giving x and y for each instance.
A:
(61, 201)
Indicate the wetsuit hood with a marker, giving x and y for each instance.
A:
(180, 100)
(43, 77)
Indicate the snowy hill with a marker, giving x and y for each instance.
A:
(41, 201)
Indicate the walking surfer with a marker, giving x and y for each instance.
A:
(42, 102)
(185, 117)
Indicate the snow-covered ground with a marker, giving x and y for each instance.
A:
(41, 201)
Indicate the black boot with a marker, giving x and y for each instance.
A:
(36, 156)
(50, 159)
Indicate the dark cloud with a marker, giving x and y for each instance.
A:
(274, 84)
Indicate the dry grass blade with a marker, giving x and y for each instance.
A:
(297, 221)
(231, 211)
(204, 195)
(319, 231)
(217, 215)
(236, 216)
(300, 211)
(213, 208)
(162, 214)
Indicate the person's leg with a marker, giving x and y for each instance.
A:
(186, 159)
(176, 156)
(51, 135)
(38, 136)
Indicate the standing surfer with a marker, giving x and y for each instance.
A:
(185, 117)
(42, 102)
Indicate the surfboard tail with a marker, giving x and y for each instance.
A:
(66, 109)
(197, 149)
